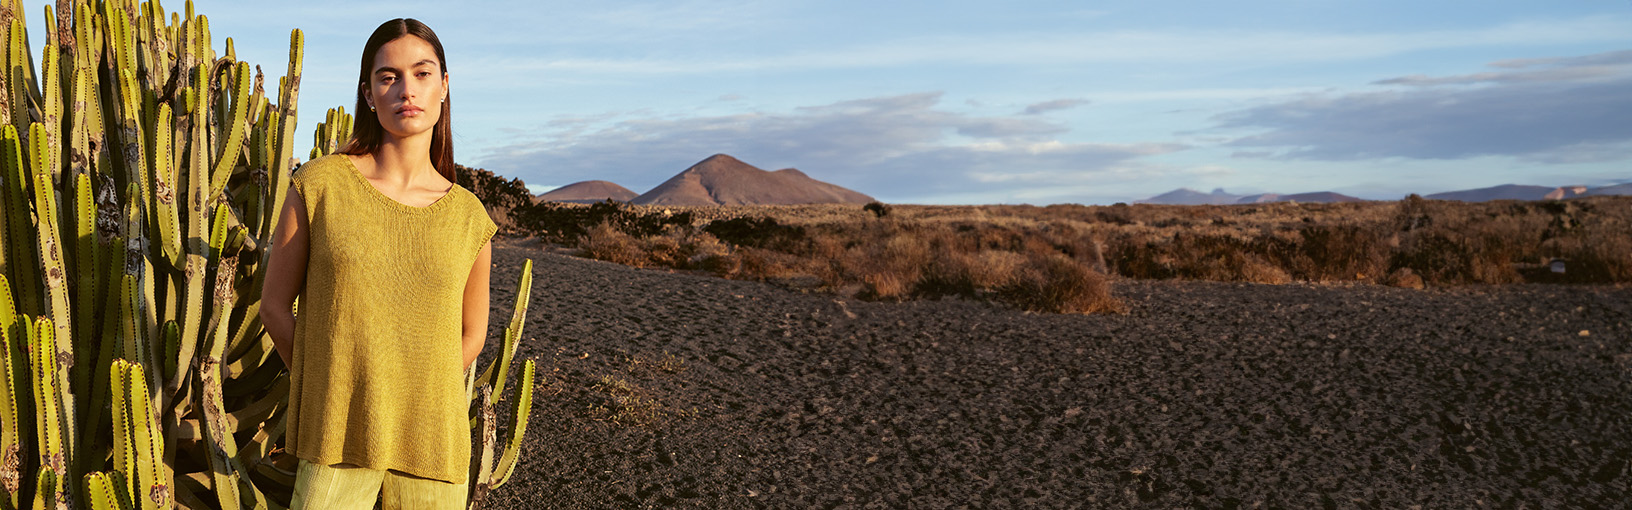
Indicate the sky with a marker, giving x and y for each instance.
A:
(1039, 102)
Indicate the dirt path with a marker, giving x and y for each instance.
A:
(1205, 395)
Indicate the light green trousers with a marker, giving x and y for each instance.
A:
(347, 487)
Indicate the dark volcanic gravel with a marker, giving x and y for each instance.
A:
(1206, 395)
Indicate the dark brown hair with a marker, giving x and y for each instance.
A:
(367, 135)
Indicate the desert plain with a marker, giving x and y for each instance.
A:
(675, 389)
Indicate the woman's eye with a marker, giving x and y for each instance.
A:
(424, 74)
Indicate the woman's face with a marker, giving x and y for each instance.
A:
(407, 87)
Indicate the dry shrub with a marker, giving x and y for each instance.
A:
(1257, 270)
(955, 273)
(1059, 284)
(603, 242)
(1342, 252)
(1405, 278)
(1443, 257)
(757, 263)
(890, 271)
(1602, 255)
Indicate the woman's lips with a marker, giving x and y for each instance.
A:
(410, 111)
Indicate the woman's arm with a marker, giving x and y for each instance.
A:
(285, 275)
(476, 299)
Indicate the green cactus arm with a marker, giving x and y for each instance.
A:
(99, 492)
(198, 148)
(126, 463)
(130, 136)
(234, 130)
(10, 412)
(221, 447)
(50, 429)
(17, 75)
(88, 281)
(164, 190)
(20, 240)
(50, 255)
(51, 111)
(218, 231)
(520, 410)
(46, 490)
(192, 318)
(288, 93)
(126, 498)
(152, 490)
(124, 436)
(495, 373)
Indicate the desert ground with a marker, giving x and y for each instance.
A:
(664, 389)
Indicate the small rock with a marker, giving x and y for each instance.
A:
(1585, 333)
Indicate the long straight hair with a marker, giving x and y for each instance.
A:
(367, 134)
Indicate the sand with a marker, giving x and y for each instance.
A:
(1210, 395)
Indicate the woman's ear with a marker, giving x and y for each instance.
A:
(445, 90)
(368, 95)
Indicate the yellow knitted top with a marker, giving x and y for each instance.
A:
(378, 377)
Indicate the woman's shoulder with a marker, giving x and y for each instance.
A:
(467, 199)
(325, 166)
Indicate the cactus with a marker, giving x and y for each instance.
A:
(332, 133)
(141, 176)
(486, 474)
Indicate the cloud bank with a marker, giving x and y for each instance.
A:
(1555, 110)
(895, 147)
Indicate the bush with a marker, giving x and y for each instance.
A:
(756, 232)
(877, 208)
(566, 223)
(1056, 283)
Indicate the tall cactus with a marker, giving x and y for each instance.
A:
(141, 176)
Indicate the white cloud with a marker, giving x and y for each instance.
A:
(1054, 105)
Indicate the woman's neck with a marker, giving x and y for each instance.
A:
(403, 160)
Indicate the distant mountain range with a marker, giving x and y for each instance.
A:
(587, 192)
(1187, 196)
(717, 180)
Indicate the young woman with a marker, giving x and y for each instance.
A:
(390, 260)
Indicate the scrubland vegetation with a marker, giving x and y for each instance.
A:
(1059, 258)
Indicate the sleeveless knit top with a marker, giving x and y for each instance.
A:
(378, 376)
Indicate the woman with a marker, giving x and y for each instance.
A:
(390, 260)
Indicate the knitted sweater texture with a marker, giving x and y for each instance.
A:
(378, 376)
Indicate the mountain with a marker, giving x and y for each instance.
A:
(1503, 192)
(1318, 197)
(723, 180)
(1563, 192)
(1618, 189)
(587, 192)
(1187, 196)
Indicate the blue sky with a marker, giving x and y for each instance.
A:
(1007, 102)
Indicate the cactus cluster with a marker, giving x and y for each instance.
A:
(141, 176)
(332, 133)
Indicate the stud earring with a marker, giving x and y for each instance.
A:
(371, 108)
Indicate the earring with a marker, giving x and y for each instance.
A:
(371, 108)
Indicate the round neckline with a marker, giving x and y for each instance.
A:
(392, 202)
